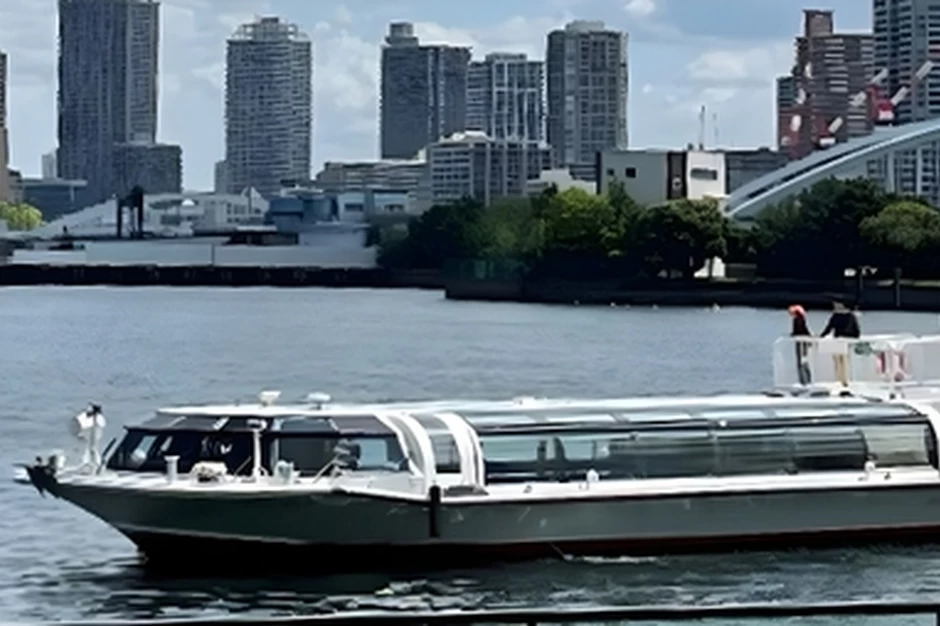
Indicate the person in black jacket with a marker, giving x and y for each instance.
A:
(843, 325)
(802, 339)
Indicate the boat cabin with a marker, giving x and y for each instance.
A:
(497, 443)
(310, 442)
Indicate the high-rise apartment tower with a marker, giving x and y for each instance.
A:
(423, 92)
(829, 69)
(906, 37)
(587, 93)
(268, 106)
(108, 51)
(505, 97)
(906, 34)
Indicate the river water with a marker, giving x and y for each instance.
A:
(135, 349)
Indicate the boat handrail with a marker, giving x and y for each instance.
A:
(891, 365)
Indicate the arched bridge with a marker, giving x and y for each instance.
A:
(843, 159)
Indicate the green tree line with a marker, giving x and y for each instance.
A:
(560, 228)
(818, 234)
(20, 216)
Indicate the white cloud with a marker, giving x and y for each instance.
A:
(342, 14)
(346, 72)
(515, 34)
(232, 18)
(433, 33)
(732, 65)
(734, 83)
(213, 74)
(180, 21)
(640, 8)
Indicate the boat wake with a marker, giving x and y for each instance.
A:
(603, 560)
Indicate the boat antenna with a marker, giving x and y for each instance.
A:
(701, 128)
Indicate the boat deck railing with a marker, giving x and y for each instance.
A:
(897, 364)
(749, 613)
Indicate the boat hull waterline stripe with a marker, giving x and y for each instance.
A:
(167, 550)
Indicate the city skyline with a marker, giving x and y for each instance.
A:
(681, 55)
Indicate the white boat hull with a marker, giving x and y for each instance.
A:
(169, 526)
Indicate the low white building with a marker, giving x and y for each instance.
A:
(652, 177)
(166, 214)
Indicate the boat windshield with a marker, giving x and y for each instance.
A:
(355, 443)
(144, 450)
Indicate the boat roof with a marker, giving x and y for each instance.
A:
(521, 403)
(363, 424)
(532, 414)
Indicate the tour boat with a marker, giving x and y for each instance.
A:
(460, 482)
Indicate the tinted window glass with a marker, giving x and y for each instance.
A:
(446, 455)
(147, 452)
(697, 452)
(754, 452)
(671, 454)
(828, 448)
(311, 455)
(898, 446)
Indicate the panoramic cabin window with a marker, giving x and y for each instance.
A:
(413, 449)
(828, 448)
(900, 445)
(716, 448)
(312, 444)
(564, 456)
(446, 456)
(765, 451)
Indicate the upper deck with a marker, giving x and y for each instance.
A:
(900, 365)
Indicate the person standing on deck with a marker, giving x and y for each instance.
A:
(843, 325)
(801, 334)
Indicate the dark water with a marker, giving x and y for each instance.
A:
(136, 349)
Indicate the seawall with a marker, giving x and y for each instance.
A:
(880, 295)
(215, 276)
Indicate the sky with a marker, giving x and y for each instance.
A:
(683, 54)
